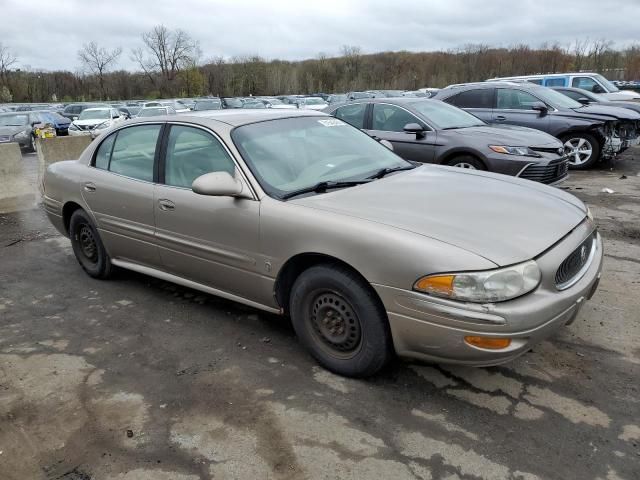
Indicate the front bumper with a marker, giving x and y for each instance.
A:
(85, 133)
(433, 329)
(549, 168)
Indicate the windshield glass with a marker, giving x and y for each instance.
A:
(233, 102)
(556, 99)
(152, 112)
(207, 105)
(607, 84)
(253, 105)
(13, 120)
(274, 101)
(101, 114)
(293, 153)
(314, 101)
(442, 115)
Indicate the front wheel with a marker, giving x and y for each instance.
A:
(340, 320)
(582, 149)
(33, 146)
(466, 161)
(88, 247)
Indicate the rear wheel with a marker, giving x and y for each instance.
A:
(466, 161)
(88, 247)
(33, 146)
(340, 320)
(582, 149)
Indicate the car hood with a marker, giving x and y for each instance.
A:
(622, 95)
(597, 111)
(12, 130)
(511, 135)
(499, 218)
(90, 121)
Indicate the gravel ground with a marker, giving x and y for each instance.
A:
(135, 378)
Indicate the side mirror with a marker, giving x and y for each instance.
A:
(597, 89)
(219, 184)
(74, 118)
(415, 128)
(584, 100)
(540, 107)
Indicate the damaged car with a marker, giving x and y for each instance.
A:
(590, 133)
(297, 213)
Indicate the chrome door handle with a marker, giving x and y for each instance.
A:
(500, 118)
(89, 187)
(166, 204)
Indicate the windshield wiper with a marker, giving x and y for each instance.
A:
(321, 187)
(387, 170)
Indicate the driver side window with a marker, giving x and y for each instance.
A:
(390, 118)
(584, 83)
(515, 100)
(192, 152)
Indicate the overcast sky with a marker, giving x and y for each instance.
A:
(47, 35)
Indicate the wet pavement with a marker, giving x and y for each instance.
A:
(136, 378)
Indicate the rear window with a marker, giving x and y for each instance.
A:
(480, 98)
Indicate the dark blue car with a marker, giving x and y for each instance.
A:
(60, 123)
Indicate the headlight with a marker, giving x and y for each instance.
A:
(102, 126)
(21, 135)
(487, 286)
(522, 151)
(73, 126)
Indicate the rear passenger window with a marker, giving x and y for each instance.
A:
(353, 114)
(134, 152)
(555, 82)
(537, 81)
(481, 98)
(192, 152)
(103, 155)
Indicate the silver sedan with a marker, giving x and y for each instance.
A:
(300, 214)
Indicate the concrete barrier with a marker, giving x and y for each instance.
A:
(15, 191)
(52, 150)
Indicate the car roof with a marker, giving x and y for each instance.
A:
(93, 109)
(232, 118)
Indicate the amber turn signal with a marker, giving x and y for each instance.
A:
(438, 284)
(490, 343)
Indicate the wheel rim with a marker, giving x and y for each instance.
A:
(33, 143)
(87, 243)
(579, 150)
(335, 325)
(464, 165)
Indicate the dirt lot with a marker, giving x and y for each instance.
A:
(135, 378)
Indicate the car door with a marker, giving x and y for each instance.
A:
(478, 102)
(119, 192)
(387, 123)
(206, 239)
(515, 107)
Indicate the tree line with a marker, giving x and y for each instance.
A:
(169, 65)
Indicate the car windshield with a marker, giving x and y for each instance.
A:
(607, 84)
(134, 110)
(556, 99)
(90, 114)
(233, 102)
(444, 116)
(314, 101)
(152, 112)
(274, 101)
(253, 104)
(290, 154)
(208, 105)
(13, 120)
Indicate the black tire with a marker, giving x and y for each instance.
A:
(340, 320)
(88, 247)
(576, 160)
(32, 144)
(466, 161)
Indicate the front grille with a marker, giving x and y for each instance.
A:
(552, 172)
(574, 266)
(5, 138)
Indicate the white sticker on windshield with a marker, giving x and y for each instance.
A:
(331, 122)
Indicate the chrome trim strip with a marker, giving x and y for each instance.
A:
(578, 276)
(191, 284)
(172, 239)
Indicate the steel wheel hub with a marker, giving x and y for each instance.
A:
(579, 150)
(465, 165)
(88, 244)
(335, 323)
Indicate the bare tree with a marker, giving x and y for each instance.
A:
(7, 60)
(166, 51)
(98, 60)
